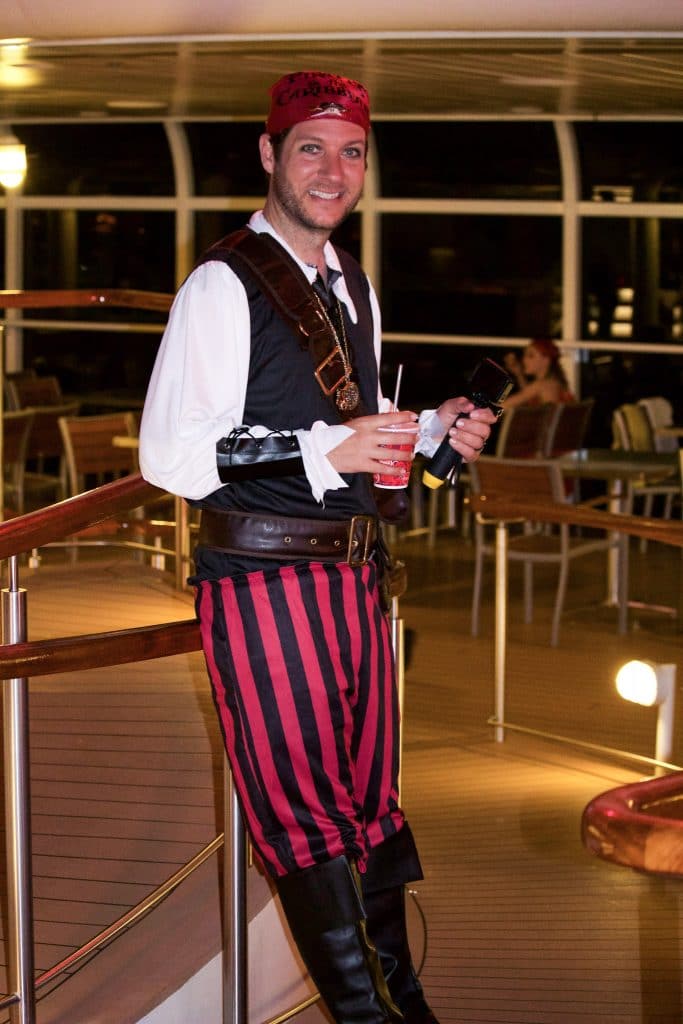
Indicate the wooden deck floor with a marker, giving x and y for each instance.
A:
(522, 925)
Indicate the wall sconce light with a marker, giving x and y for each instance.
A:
(12, 159)
(643, 682)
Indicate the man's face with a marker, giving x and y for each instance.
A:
(318, 177)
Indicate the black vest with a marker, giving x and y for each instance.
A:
(283, 394)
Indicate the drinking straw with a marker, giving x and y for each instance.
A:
(398, 384)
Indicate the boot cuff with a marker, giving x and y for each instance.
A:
(394, 862)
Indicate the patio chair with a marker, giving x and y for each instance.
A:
(523, 431)
(91, 456)
(92, 459)
(45, 458)
(660, 414)
(16, 427)
(538, 480)
(632, 431)
(29, 390)
(568, 427)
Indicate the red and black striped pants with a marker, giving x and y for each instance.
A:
(301, 668)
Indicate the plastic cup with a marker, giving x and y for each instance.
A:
(396, 483)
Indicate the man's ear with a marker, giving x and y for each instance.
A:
(267, 154)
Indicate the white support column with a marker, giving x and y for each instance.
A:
(571, 245)
(14, 277)
(371, 244)
(184, 184)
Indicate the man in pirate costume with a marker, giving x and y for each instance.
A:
(264, 408)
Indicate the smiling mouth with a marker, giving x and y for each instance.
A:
(319, 194)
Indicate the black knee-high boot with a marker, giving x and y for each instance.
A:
(323, 907)
(390, 866)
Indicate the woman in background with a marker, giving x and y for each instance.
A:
(539, 376)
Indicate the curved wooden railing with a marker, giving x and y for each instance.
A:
(22, 660)
(54, 298)
(629, 825)
(50, 298)
(35, 530)
(98, 650)
(492, 507)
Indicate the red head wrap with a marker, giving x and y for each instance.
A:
(309, 95)
(547, 348)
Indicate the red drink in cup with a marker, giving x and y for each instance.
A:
(396, 482)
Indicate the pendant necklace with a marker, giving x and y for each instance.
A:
(347, 395)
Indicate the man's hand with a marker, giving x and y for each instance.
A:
(468, 435)
(365, 449)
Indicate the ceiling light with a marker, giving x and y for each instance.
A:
(136, 104)
(16, 70)
(541, 81)
(12, 159)
(526, 110)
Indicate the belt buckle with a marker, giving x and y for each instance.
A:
(363, 539)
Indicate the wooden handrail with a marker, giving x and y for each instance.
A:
(623, 825)
(490, 506)
(66, 517)
(98, 650)
(58, 298)
(54, 522)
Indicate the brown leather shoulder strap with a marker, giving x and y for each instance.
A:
(282, 282)
(287, 288)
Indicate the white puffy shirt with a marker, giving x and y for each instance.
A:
(197, 389)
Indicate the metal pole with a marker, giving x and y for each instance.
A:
(235, 962)
(617, 504)
(501, 626)
(398, 644)
(18, 813)
(182, 541)
(2, 422)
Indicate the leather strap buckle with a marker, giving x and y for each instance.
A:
(330, 373)
(361, 540)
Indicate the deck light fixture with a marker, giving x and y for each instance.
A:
(644, 682)
(12, 159)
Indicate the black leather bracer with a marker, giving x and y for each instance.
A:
(242, 456)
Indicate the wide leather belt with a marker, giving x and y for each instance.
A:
(271, 536)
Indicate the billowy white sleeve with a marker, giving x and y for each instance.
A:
(198, 384)
(197, 391)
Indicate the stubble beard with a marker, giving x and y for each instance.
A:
(295, 209)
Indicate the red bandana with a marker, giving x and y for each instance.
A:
(309, 95)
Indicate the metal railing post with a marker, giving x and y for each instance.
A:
(398, 644)
(2, 422)
(501, 625)
(18, 813)
(182, 541)
(235, 962)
